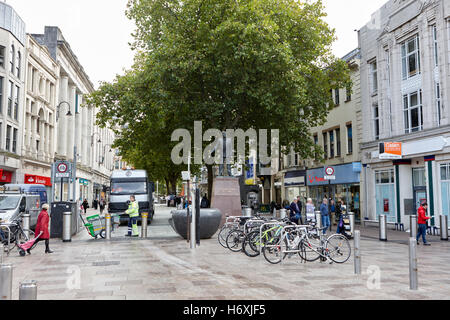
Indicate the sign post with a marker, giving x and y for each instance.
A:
(62, 170)
(329, 175)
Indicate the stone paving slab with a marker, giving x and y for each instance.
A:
(166, 269)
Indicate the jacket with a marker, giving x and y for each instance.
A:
(294, 208)
(324, 209)
(133, 209)
(42, 225)
(422, 216)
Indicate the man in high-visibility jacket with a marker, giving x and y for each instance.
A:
(133, 212)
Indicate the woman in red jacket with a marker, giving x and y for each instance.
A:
(42, 226)
(422, 222)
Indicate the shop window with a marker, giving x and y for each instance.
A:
(385, 194)
(419, 179)
(445, 188)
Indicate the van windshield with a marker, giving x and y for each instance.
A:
(128, 188)
(9, 202)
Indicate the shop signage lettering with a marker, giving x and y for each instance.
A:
(316, 179)
(33, 179)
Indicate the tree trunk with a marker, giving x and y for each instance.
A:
(167, 186)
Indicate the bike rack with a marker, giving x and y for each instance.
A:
(252, 221)
(4, 225)
(271, 223)
(283, 232)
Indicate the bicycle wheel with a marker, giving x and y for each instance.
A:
(222, 236)
(273, 253)
(338, 248)
(234, 240)
(251, 244)
(308, 249)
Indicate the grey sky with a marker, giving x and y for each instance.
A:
(99, 32)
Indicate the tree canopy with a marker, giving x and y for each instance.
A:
(261, 64)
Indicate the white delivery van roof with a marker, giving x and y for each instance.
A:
(123, 174)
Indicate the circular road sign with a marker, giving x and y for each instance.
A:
(62, 168)
(329, 171)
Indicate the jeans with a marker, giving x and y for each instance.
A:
(297, 219)
(325, 223)
(422, 232)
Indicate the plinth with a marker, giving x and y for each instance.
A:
(226, 197)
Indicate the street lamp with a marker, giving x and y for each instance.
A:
(69, 113)
(92, 138)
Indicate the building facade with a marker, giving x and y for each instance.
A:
(39, 116)
(339, 139)
(75, 125)
(404, 83)
(12, 79)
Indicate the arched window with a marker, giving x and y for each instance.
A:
(12, 58)
(18, 63)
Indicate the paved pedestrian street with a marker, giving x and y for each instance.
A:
(163, 267)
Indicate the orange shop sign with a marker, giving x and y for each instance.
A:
(390, 151)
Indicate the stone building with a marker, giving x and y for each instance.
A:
(39, 116)
(12, 78)
(405, 89)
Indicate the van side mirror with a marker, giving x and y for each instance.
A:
(22, 208)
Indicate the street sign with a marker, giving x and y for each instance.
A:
(329, 173)
(63, 170)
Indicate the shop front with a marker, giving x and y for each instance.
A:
(345, 186)
(5, 177)
(35, 179)
(295, 185)
(84, 189)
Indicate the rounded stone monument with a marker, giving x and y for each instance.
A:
(209, 222)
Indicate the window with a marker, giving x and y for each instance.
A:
(338, 142)
(374, 77)
(336, 97)
(16, 103)
(37, 145)
(14, 143)
(349, 139)
(325, 144)
(385, 194)
(331, 134)
(410, 58)
(18, 63)
(348, 92)
(12, 57)
(445, 188)
(2, 56)
(316, 142)
(435, 46)
(438, 104)
(376, 122)
(8, 138)
(413, 116)
(10, 98)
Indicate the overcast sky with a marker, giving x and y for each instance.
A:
(98, 31)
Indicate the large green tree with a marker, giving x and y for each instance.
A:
(262, 64)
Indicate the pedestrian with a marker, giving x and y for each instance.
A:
(310, 210)
(133, 212)
(95, 204)
(332, 214)
(205, 202)
(85, 205)
(102, 205)
(324, 213)
(295, 215)
(42, 226)
(300, 204)
(340, 210)
(422, 222)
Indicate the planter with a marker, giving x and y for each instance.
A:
(209, 222)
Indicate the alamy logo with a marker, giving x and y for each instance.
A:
(221, 149)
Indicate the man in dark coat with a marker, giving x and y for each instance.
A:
(296, 215)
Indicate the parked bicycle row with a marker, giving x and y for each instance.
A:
(278, 239)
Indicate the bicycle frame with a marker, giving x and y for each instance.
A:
(277, 223)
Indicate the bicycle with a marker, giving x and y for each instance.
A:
(236, 237)
(335, 248)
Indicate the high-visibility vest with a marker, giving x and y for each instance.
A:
(133, 209)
